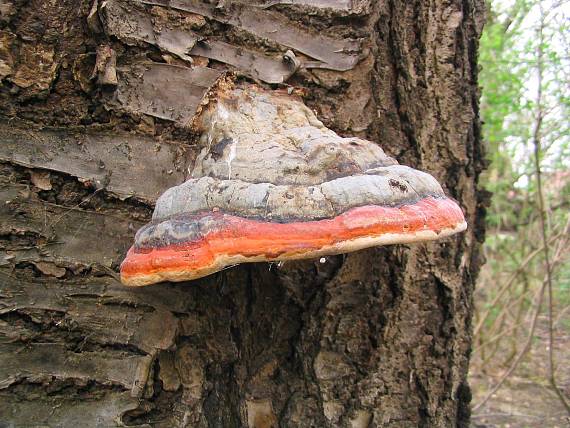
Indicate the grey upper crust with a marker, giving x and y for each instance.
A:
(386, 186)
(267, 156)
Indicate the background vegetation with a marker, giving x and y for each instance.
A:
(521, 363)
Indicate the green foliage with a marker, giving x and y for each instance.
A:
(508, 59)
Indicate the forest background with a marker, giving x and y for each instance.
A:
(520, 370)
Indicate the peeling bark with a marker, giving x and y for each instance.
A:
(380, 337)
(335, 54)
(101, 160)
(164, 91)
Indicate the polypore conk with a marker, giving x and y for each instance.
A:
(273, 183)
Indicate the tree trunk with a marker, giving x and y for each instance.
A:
(379, 337)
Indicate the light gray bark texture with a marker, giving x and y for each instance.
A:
(97, 101)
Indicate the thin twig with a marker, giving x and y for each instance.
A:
(510, 282)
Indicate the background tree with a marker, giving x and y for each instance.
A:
(522, 299)
(376, 338)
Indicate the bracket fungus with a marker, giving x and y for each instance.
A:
(273, 183)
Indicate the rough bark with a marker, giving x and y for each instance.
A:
(380, 337)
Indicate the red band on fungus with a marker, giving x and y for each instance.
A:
(243, 240)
